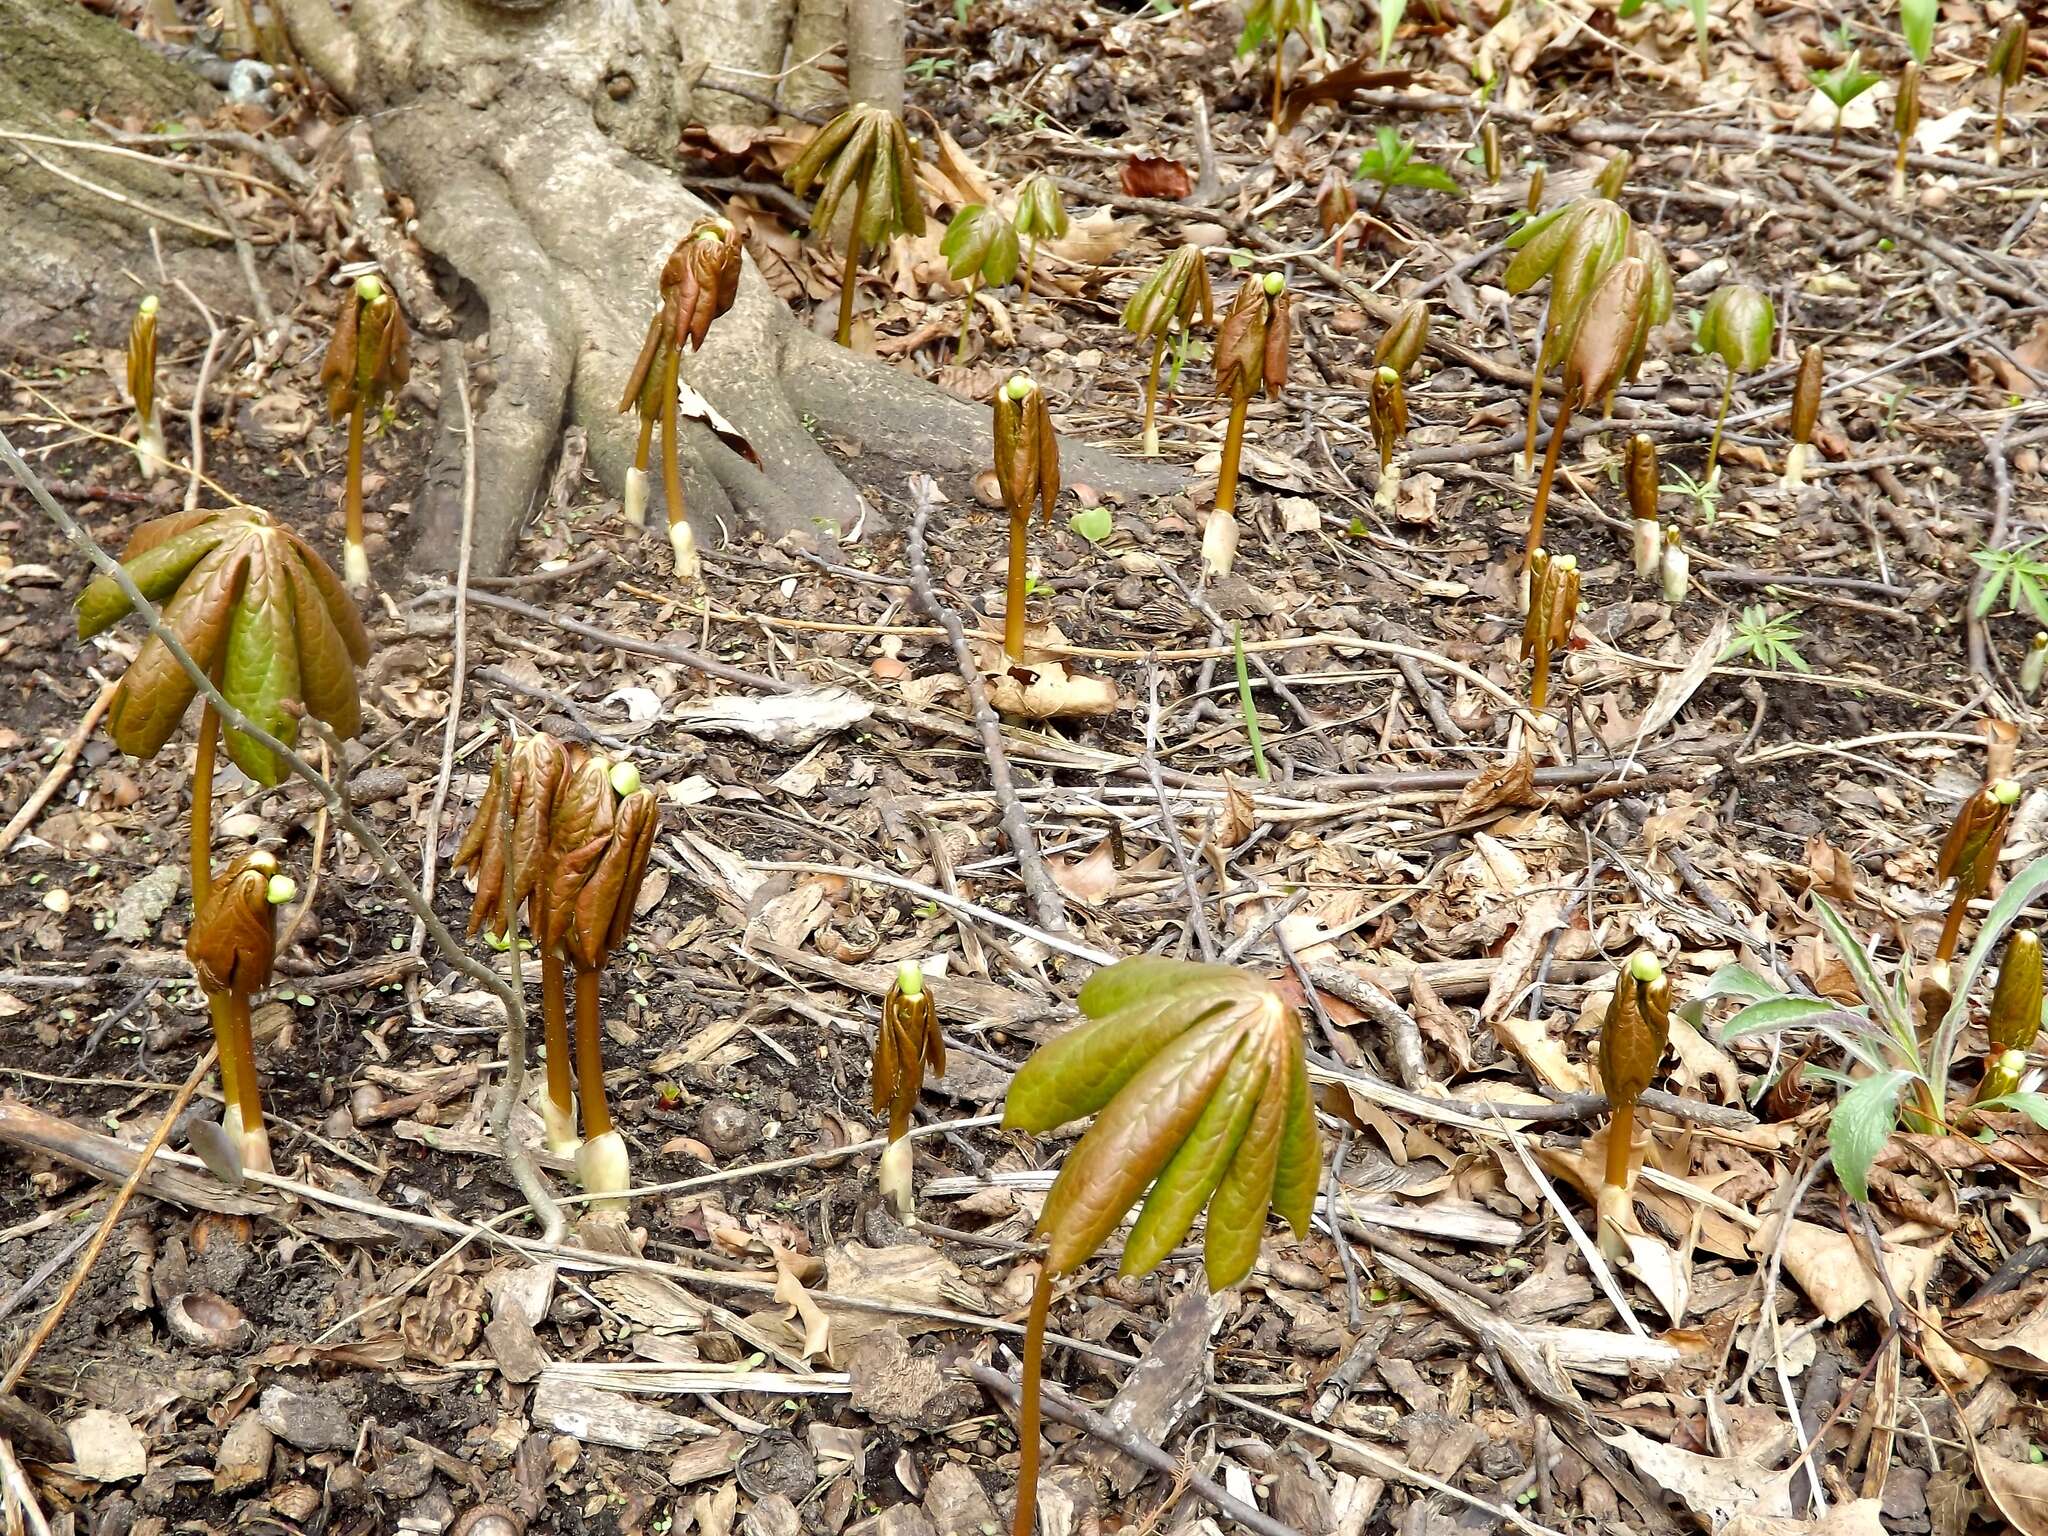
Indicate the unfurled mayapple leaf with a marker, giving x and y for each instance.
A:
(908, 1045)
(863, 150)
(233, 942)
(1195, 1077)
(980, 245)
(258, 610)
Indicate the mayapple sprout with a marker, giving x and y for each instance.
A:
(1905, 122)
(1278, 19)
(2035, 667)
(1639, 478)
(1613, 176)
(1575, 247)
(1607, 329)
(2016, 1001)
(1969, 855)
(1336, 207)
(1805, 411)
(980, 246)
(367, 362)
(1532, 195)
(1737, 327)
(1194, 1076)
(1674, 571)
(1553, 613)
(1027, 471)
(1632, 1039)
(864, 148)
(232, 946)
(1251, 352)
(1041, 215)
(699, 282)
(150, 455)
(907, 1045)
(1167, 304)
(1388, 411)
(2007, 64)
(1400, 345)
(1489, 152)
(1842, 85)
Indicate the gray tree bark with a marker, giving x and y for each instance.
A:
(874, 53)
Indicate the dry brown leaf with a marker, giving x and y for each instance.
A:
(1094, 240)
(1717, 1489)
(1088, 880)
(1518, 958)
(789, 1290)
(1155, 176)
(1860, 1518)
(1827, 1265)
(2018, 1488)
(1498, 786)
(1547, 1060)
(2010, 1329)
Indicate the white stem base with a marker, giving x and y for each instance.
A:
(355, 567)
(1152, 441)
(1677, 575)
(1795, 468)
(603, 1168)
(252, 1147)
(893, 1177)
(1388, 495)
(636, 497)
(1649, 546)
(1615, 1215)
(558, 1126)
(1219, 543)
(684, 542)
(151, 457)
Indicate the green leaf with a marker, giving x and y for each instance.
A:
(1190, 1177)
(1093, 523)
(1862, 1119)
(1869, 985)
(1435, 178)
(2033, 1105)
(1299, 1173)
(1391, 12)
(1916, 21)
(262, 667)
(1737, 980)
(1773, 1014)
(2018, 894)
(1237, 1214)
(1846, 82)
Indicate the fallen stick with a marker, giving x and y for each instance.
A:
(67, 759)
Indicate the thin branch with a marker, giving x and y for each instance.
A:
(198, 413)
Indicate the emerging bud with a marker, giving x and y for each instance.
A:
(910, 979)
(280, 889)
(2016, 1001)
(2035, 666)
(1633, 1034)
(1675, 570)
(1388, 411)
(1805, 410)
(1613, 176)
(1489, 152)
(1639, 475)
(1335, 203)
(625, 779)
(2007, 61)
(1274, 284)
(1532, 200)
(2002, 1076)
(1738, 327)
(142, 358)
(1403, 340)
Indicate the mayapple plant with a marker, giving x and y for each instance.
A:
(567, 834)
(2015, 1017)
(1639, 479)
(232, 946)
(1027, 471)
(1401, 343)
(368, 360)
(1387, 408)
(2035, 667)
(1969, 854)
(1632, 1039)
(1336, 207)
(1196, 1081)
(1278, 19)
(150, 456)
(1806, 391)
(1842, 85)
(1575, 247)
(1737, 327)
(864, 148)
(1613, 176)
(1252, 348)
(262, 615)
(907, 1046)
(1674, 569)
(2007, 64)
(1610, 321)
(1489, 151)
(1916, 23)
(980, 246)
(699, 282)
(1041, 215)
(1166, 305)
(1553, 614)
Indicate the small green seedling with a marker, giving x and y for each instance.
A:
(1738, 327)
(1391, 162)
(1770, 639)
(1842, 85)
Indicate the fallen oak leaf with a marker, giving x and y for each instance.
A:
(1156, 177)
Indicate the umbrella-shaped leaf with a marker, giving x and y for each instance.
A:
(1184, 1185)
(155, 691)
(980, 243)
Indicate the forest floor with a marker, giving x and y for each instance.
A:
(1445, 887)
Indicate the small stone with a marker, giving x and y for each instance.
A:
(1205, 235)
(956, 1502)
(243, 1459)
(728, 1127)
(311, 1421)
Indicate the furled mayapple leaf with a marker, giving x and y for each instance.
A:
(1027, 448)
(1336, 202)
(1594, 243)
(1252, 346)
(1737, 326)
(1607, 330)
(1639, 475)
(1659, 295)
(1553, 603)
(980, 244)
(907, 1045)
(604, 902)
(517, 808)
(1196, 1079)
(1387, 409)
(579, 833)
(1177, 292)
(369, 356)
(2007, 60)
(2016, 1000)
(864, 146)
(142, 357)
(258, 610)
(1402, 342)
(233, 941)
(1635, 1030)
(1041, 210)
(1806, 393)
(1970, 852)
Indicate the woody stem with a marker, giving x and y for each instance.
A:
(1541, 509)
(966, 320)
(1233, 446)
(1027, 1403)
(1621, 1130)
(852, 267)
(352, 503)
(1013, 591)
(597, 1115)
(1720, 421)
(554, 1012)
(1152, 395)
(671, 448)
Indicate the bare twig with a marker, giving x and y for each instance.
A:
(198, 412)
(1046, 900)
(1198, 917)
(60, 770)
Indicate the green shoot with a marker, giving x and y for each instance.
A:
(1391, 162)
(1767, 638)
(1247, 708)
(2019, 573)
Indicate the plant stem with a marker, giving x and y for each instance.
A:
(1233, 446)
(1013, 590)
(1030, 261)
(966, 320)
(671, 449)
(202, 808)
(1621, 1131)
(597, 1115)
(1899, 165)
(1027, 1404)
(1952, 928)
(1535, 401)
(851, 269)
(1835, 142)
(1998, 124)
(641, 450)
(352, 503)
(554, 1012)
(1152, 397)
(1539, 685)
(1280, 80)
(1720, 420)
(248, 1091)
(223, 1032)
(1245, 706)
(1541, 510)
